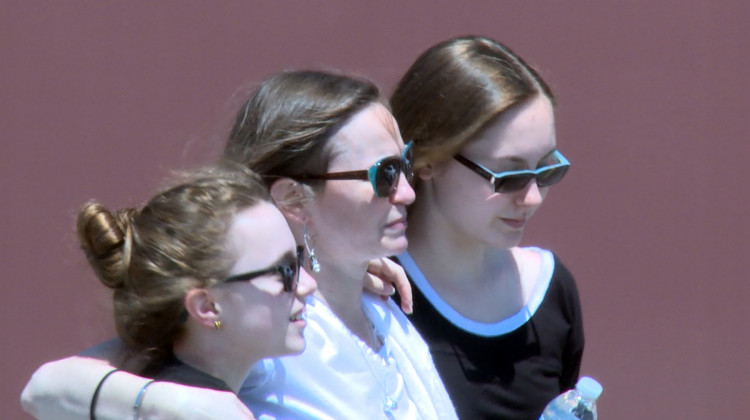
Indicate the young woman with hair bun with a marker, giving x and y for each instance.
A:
(207, 280)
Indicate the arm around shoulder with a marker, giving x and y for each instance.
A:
(63, 390)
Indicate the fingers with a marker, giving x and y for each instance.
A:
(376, 285)
(391, 275)
(404, 290)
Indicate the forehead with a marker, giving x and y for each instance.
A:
(369, 135)
(258, 236)
(526, 130)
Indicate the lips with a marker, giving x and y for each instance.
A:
(299, 316)
(514, 223)
(399, 223)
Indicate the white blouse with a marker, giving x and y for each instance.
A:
(338, 376)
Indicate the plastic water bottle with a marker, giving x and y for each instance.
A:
(576, 404)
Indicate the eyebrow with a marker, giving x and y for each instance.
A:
(289, 256)
(518, 160)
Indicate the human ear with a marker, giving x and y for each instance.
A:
(426, 172)
(290, 196)
(202, 307)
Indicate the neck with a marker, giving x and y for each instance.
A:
(477, 280)
(445, 254)
(204, 353)
(340, 287)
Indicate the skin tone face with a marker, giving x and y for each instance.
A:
(258, 313)
(519, 139)
(350, 222)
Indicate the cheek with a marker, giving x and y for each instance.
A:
(262, 315)
(257, 318)
(469, 204)
(460, 192)
(351, 212)
(270, 326)
(337, 201)
(543, 192)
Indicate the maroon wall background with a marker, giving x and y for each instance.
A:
(101, 99)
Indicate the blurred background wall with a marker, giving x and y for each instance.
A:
(102, 99)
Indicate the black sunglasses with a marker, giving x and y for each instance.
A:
(289, 272)
(383, 175)
(555, 167)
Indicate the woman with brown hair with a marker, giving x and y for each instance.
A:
(338, 169)
(503, 322)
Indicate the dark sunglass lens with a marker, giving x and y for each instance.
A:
(409, 176)
(512, 183)
(290, 272)
(551, 176)
(386, 177)
(408, 170)
(300, 259)
(287, 275)
(408, 163)
(408, 155)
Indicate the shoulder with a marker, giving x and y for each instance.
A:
(561, 271)
(548, 268)
(386, 316)
(381, 308)
(174, 370)
(270, 393)
(562, 291)
(540, 259)
(563, 278)
(322, 324)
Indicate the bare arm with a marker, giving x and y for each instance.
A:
(384, 277)
(50, 394)
(63, 389)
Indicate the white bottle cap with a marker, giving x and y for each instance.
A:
(589, 388)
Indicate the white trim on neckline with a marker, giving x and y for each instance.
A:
(481, 328)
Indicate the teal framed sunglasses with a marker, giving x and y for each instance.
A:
(383, 174)
(555, 167)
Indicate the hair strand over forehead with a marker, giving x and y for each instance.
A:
(282, 130)
(454, 89)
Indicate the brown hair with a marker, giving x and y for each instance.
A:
(152, 255)
(454, 89)
(282, 130)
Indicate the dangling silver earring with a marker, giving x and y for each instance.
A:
(314, 264)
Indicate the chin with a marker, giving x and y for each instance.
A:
(505, 240)
(395, 246)
(295, 346)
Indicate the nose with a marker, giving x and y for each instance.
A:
(530, 196)
(306, 285)
(404, 193)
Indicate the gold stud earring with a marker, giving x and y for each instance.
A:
(217, 324)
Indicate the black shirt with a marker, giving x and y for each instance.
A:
(512, 375)
(173, 370)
